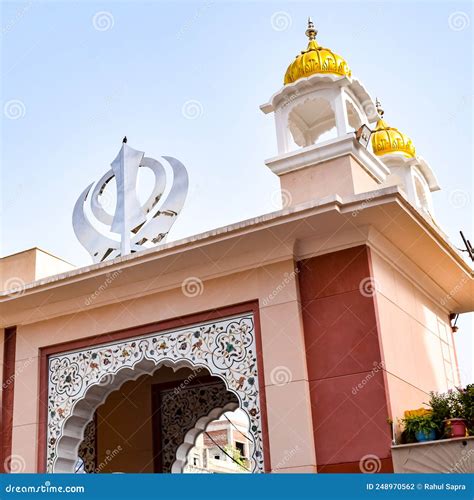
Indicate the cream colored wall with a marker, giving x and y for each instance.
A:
(362, 181)
(25, 267)
(49, 265)
(282, 339)
(416, 340)
(26, 406)
(342, 176)
(17, 268)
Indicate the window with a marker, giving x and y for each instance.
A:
(241, 448)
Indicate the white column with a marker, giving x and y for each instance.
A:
(340, 112)
(409, 182)
(282, 130)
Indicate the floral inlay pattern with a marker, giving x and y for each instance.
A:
(181, 408)
(225, 347)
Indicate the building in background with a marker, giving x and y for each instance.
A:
(224, 448)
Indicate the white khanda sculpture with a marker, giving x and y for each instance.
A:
(134, 226)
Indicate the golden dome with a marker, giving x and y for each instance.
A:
(315, 59)
(386, 139)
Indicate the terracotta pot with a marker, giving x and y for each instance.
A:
(457, 426)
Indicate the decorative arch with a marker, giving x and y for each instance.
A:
(354, 116)
(310, 118)
(79, 381)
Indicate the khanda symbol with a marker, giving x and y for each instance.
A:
(133, 226)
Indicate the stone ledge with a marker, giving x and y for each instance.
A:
(442, 456)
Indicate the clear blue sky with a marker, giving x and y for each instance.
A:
(73, 85)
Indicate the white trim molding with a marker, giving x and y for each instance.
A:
(319, 153)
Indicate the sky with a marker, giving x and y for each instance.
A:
(186, 79)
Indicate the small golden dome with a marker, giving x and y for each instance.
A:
(386, 139)
(315, 59)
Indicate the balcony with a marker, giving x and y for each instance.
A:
(442, 456)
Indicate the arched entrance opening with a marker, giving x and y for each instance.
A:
(212, 368)
(150, 425)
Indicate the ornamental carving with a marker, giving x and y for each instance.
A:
(181, 408)
(226, 348)
(87, 449)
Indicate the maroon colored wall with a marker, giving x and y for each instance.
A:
(8, 394)
(343, 351)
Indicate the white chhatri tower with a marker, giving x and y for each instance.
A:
(317, 113)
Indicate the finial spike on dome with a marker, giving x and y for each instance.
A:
(311, 32)
(378, 106)
(315, 60)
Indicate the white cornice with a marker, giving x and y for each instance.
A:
(318, 153)
(317, 82)
(428, 173)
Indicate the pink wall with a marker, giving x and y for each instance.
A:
(416, 338)
(348, 395)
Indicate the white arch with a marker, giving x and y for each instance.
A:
(83, 412)
(80, 381)
(354, 115)
(310, 118)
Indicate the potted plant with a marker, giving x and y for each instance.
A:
(449, 412)
(440, 411)
(466, 397)
(456, 423)
(420, 425)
